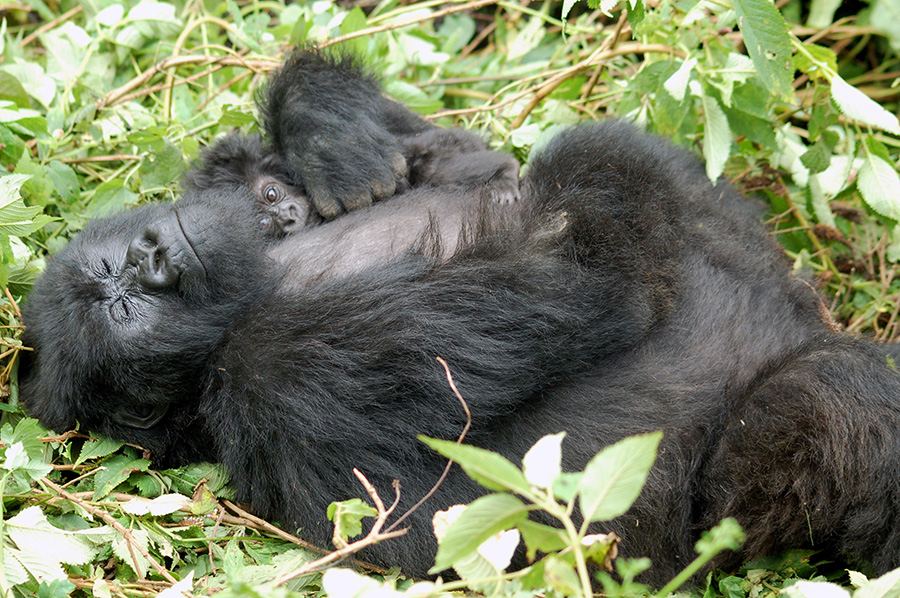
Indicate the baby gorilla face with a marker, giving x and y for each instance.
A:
(284, 209)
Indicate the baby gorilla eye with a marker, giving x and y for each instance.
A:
(271, 194)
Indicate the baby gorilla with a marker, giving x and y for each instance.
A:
(244, 160)
(455, 185)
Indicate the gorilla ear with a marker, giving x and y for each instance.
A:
(140, 416)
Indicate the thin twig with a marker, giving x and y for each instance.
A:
(629, 48)
(117, 95)
(391, 26)
(459, 440)
(50, 25)
(374, 536)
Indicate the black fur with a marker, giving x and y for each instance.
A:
(621, 294)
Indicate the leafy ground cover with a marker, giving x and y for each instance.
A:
(103, 103)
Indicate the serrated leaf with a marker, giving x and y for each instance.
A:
(858, 106)
(819, 63)
(348, 515)
(857, 579)
(879, 186)
(677, 84)
(768, 44)
(482, 519)
(716, 135)
(489, 469)
(116, 470)
(42, 547)
(817, 158)
(97, 447)
(121, 550)
(613, 479)
(12, 566)
(886, 586)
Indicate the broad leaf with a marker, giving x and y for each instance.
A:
(489, 469)
(615, 476)
(768, 43)
(480, 520)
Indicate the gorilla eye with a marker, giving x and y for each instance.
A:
(140, 416)
(271, 194)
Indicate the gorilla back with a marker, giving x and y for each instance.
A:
(626, 295)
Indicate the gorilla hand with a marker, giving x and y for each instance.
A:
(338, 136)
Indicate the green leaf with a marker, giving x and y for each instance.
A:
(15, 217)
(768, 44)
(481, 520)
(818, 157)
(821, 13)
(823, 61)
(615, 476)
(566, 486)
(561, 576)
(110, 197)
(64, 180)
(489, 469)
(538, 536)
(858, 106)
(716, 135)
(879, 184)
(117, 469)
(886, 586)
(97, 447)
(348, 515)
(412, 97)
(353, 22)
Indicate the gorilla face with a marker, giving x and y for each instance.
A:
(244, 161)
(132, 300)
(284, 209)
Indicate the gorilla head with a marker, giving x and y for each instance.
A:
(125, 317)
(244, 161)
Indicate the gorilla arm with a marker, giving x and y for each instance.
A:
(335, 131)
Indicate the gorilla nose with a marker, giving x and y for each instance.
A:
(151, 258)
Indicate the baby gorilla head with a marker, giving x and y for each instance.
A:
(281, 208)
(127, 314)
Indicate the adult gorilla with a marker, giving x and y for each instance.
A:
(621, 294)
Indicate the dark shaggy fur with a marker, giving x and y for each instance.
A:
(622, 294)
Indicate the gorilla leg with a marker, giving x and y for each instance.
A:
(810, 455)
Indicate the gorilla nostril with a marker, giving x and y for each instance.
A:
(154, 270)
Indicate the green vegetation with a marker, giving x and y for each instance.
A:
(103, 103)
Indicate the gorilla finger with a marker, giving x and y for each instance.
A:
(399, 166)
(327, 205)
(384, 188)
(357, 201)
